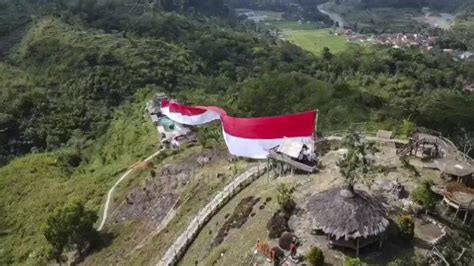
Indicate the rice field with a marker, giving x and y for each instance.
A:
(315, 40)
(310, 36)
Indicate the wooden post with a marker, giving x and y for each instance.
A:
(357, 251)
(465, 217)
(446, 206)
(456, 214)
(316, 126)
(268, 170)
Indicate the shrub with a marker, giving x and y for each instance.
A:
(407, 227)
(70, 227)
(424, 196)
(354, 262)
(406, 129)
(315, 256)
(285, 197)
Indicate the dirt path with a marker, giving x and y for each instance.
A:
(112, 189)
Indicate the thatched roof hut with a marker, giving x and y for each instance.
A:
(347, 214)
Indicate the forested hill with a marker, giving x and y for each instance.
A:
(65, 64)
(444, 5)
(74, 77)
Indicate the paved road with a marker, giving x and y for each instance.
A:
(112, 189)
(334, 16)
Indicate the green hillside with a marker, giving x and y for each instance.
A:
(75, 77)
(34, 185)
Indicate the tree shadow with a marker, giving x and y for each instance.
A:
(104, 241)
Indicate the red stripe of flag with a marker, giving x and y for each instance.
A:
(186, 110)
(295, 125)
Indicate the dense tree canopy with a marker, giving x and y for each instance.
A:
(68, 68)
(69, 228)
(67, 74)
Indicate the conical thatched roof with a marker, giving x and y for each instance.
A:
(347, 213)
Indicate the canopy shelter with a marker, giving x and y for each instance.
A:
(457, 196)
(350, 218)
(296, 155)
(454, 168)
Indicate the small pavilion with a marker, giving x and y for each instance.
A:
(457, 170)
(350, 218)
(457, 196)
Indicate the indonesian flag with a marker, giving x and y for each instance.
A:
(254, 137)
(190, 115)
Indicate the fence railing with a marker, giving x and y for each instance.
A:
(177, 249)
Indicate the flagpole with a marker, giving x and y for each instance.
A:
(316, 125)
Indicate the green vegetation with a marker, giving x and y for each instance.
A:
(447, 5)
(291, 25)
(315, 40)
(406, 225)
(354, 166)
(406, 129)
(35, 185)
(315, 256)
(380, 19)
(285, 197)
(353, 262)
(75, 76)
(55, 97)
(70, 227)
(424, 196)
(238, 246)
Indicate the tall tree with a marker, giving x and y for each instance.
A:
(70, 227)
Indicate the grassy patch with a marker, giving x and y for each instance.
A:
(294, 25)
(237, 219)
(315, 40)
(310, 36)
(34, 185)
(195, 196)
(237, 247)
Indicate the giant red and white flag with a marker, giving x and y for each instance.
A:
(254, 137)
(190, 115)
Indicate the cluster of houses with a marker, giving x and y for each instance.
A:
(400, 40)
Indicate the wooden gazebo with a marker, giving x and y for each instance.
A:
(457, 196)
(351, 218)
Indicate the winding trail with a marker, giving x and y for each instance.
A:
(112, 189)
